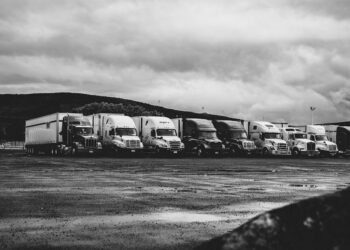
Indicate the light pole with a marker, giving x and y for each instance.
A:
(312, 114)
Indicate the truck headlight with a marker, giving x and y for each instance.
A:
(163, 145)
(119, 144)
(182, 145)
(322, 147)
(99, 145)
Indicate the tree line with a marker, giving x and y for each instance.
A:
(105, 107)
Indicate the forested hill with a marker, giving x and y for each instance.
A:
(15, 109)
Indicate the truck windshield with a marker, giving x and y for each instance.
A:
(238, 135)
(300, 136)
(272, 136)
(207, 135)
(82, 130)
(166, 132)
(321, 138)
(125, 131)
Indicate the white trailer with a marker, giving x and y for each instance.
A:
(331, 132)
(60, 133)
(158, 134)
(117, 132)
(267, 138)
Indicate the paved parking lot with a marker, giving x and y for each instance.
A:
(146, 203)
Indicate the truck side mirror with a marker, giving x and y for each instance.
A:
(153, 133)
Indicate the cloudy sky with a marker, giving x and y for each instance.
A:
(253, 59)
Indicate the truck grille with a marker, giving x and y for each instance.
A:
(175, 145)
(216, 145)
(91, 143)
(332, 147)
(282, 146)
(248, 145)
(311, 146)
(132, 144)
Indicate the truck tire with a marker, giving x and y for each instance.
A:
(295, 152)
(157, 150)
(200, 152)
(265, 152)
(74, 151)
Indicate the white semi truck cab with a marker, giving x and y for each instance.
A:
(158, 134)
(298, 142)
(117, 132)
(267, 138)
(317, 134)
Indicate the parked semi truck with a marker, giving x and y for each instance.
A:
(117, 133)
(158, 134)
(267, 138)
(199, 136)
(317, 133)
(343, 140)
(234, 137)
(60, 133)
(298, 142)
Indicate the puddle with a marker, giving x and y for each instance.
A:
(255, 189)
(303, 185)
(184, 217)
(254, 207)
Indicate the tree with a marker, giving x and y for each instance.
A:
(105, 107)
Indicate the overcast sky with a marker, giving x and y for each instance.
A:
(252, 59)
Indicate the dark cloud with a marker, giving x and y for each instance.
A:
(249, 59)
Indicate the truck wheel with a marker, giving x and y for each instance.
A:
(74, 151)
(265, 152)
(295, 152)
(157, 149)
(200, 152)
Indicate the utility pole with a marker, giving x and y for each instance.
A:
(312, 114)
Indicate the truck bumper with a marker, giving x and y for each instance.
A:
(88, 150)
(212, 151)
(129, 150)
(249, 151)
(243, 151)
(279, 152)
(328, 153)
(310, 153)
(345, 153)
(172, 151)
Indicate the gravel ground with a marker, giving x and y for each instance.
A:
(147, 203)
